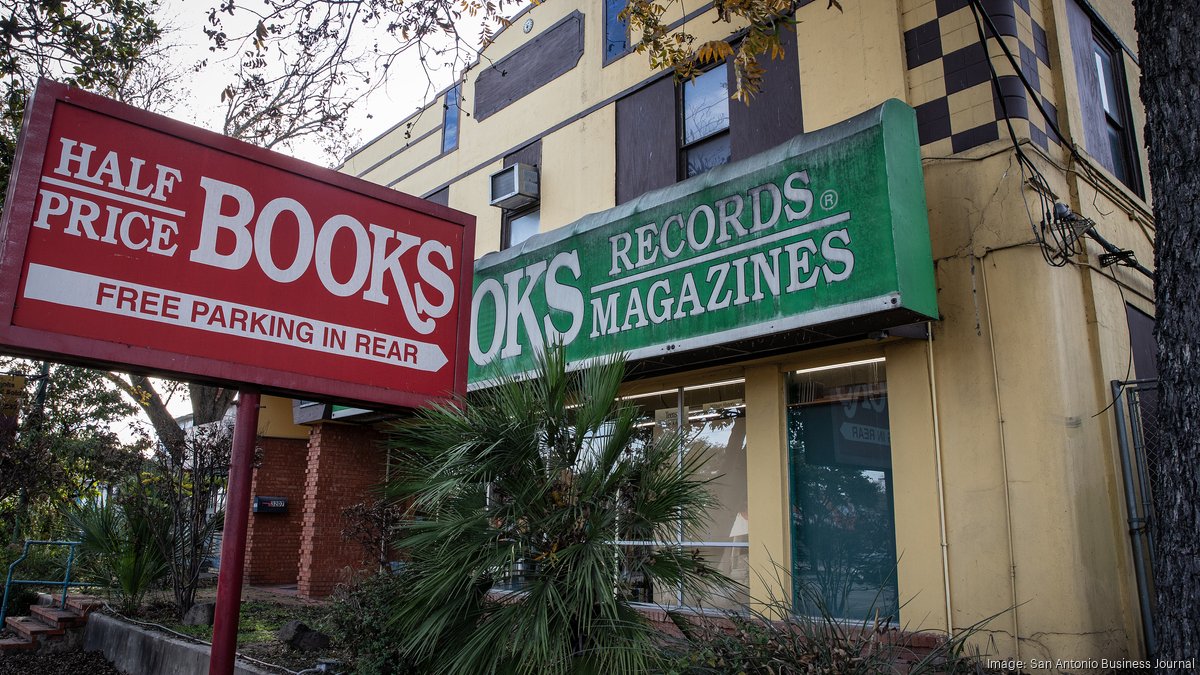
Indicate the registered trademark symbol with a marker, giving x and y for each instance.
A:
(829, 199)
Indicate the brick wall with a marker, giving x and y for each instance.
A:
(345, 464)
(273, 539)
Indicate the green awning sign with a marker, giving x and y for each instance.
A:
(821, 237)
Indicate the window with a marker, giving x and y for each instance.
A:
(650, 124)
(517, 226)
(1115, 111)
(450, 119)
(1144, 352)
(840, 471)
(616, 30)
(714, 419)
(704, 122)
(1108, 132)
(714, 416)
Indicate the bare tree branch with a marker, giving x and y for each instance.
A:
(141, 390)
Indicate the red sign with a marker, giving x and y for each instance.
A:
(134, 240)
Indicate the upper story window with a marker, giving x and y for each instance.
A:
(666, 132)
(704, 122)
(440, 197)
(1116, 112)
(1109, 135)
(521, 179)
(616, 30)
(450, 119)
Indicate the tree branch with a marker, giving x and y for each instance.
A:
(141, 390)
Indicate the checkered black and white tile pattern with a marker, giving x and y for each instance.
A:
(949, 83)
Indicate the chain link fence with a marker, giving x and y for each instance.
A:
(1145, 443)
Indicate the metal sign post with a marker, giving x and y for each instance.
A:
(233, 539)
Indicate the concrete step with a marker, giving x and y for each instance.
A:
(31, 628)
(63, 618)
(16, 644)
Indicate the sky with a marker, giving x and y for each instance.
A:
(402, 92)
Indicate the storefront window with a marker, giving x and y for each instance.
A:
(714, 416)
(842, 515)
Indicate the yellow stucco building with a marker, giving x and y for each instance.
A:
(945, 462)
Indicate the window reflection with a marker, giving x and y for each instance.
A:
(714, 416)
(717, 431)
(1113, 116)
(616, 30)
(521, 227)
(705, 105)
(707, 154)
(842, 517)
(705, 122)
(715, 419)
(450, 119)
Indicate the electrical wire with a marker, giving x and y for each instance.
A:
(1129, 364)
(1090, 169)
(1060, 238)
(1060, 233)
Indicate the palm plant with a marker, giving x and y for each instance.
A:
(544, 475)
(118, 548)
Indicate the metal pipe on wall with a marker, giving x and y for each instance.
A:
(1136, 523)
(1012, 555)
(941, 486)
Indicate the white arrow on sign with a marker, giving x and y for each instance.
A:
(114, 296)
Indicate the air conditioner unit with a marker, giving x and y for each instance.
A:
(515, 186)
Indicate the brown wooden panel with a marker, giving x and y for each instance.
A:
(773, 115)
(530, 154)
(556, 51)
(647, 157)
(1095, 127)
(1144, 354)
(440, 197)
(1142, 344)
